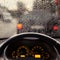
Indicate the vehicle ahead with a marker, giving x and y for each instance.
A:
(30, 46)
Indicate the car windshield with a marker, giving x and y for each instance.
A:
(12, 11)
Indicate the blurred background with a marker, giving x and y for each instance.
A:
(12, 11)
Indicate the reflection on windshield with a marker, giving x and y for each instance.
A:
(12, 10)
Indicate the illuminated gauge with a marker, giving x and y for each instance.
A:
(14, 55)
(22, 52)
(39, 53)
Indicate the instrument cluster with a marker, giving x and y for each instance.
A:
(37, 52)
(29, 50)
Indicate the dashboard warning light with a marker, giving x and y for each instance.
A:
(19, 26)
(22, 56)
(55, 28)
(37, 56)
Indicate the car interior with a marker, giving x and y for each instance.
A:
(30, 30)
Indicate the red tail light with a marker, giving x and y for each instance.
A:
(55, 28)
(56, 2)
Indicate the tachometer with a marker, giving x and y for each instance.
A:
(22, 52)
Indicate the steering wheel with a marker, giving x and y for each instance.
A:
(30, 46)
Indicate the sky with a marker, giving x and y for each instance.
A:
(12, 4)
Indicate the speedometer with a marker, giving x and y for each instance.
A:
(39, 53)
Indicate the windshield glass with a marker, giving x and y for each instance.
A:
(11, 11)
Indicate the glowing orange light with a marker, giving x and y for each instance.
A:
(19, 26)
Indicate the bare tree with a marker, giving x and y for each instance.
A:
(21, 8)
(37, 4)
(44, 4)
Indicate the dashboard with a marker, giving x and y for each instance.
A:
(26, 48)
(30, 46)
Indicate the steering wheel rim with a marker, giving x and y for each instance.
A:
(4, 44)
